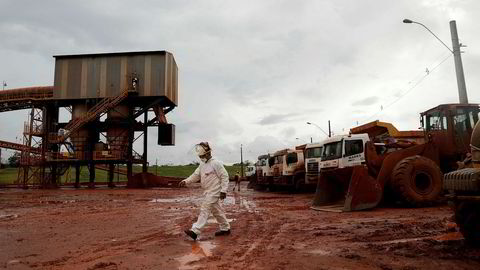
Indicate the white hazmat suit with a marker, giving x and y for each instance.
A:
(214, 180)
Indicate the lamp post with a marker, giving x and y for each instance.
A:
(329, 132)
(462, 89)
(241, 159)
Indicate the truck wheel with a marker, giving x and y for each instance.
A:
(260, 187)
(467, 216)
(417, 181)
(299, 184)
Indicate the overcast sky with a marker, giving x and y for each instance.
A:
(254, 72)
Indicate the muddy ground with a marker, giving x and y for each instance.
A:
(143, 229)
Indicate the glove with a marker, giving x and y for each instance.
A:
(223, 195)
(182, 183)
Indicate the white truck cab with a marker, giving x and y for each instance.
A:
(263, 170)
(249, 171)
(344, 151)
(313, 159)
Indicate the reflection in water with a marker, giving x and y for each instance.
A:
(200, 249)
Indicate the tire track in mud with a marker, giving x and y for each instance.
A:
(254, 236)
(134, 241)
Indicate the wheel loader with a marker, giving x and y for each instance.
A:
(463, 187)
(405, 166)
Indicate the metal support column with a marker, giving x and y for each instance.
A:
(53, 178)
(111, 169)
(145, 141)
(131, 134)
(77, 176)
(91, 170)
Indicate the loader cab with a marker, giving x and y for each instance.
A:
(344, 151)
(450, 127)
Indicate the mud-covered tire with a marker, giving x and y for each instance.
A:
(417, 181)
(260, 187)
(299, 184)
(467, 216)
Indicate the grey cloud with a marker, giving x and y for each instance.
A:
(274, 119)
(289, 132)
(366, 101)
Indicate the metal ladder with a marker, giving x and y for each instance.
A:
(103, 106)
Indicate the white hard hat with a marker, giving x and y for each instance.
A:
(202, 148)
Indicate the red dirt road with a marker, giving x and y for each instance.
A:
(143, 229)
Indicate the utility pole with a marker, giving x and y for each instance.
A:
(241, 159)
(329, 130)
(156, 166)
(462, 89)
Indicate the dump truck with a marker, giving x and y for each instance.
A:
(249, 171)
(263, 172)
(401, 166)
(289, 168)
(335, 152)
(343, 151)
(313, 155)
(463, 187)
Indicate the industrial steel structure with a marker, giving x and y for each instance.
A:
(109, 97)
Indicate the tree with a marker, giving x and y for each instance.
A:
(14, 160)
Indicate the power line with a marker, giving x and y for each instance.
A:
(420, 80)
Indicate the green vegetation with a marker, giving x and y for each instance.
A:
(9, 175)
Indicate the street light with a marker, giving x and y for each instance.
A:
(311, 139)
(313, 124)
(462, 89)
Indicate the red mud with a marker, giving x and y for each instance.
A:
(142, 229)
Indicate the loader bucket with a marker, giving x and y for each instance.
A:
(347, 189)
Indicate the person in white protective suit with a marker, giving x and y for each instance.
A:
(214, 179)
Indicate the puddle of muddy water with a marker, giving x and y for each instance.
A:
(212, 220)
(319, 252)
(169, 200)
(405, 240)
(8, 216)
(229, 201)
(200, 249)
(443, 237)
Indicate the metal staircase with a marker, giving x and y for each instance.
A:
(103, 106)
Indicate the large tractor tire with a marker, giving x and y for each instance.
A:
(417, 181)
(467, 216)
